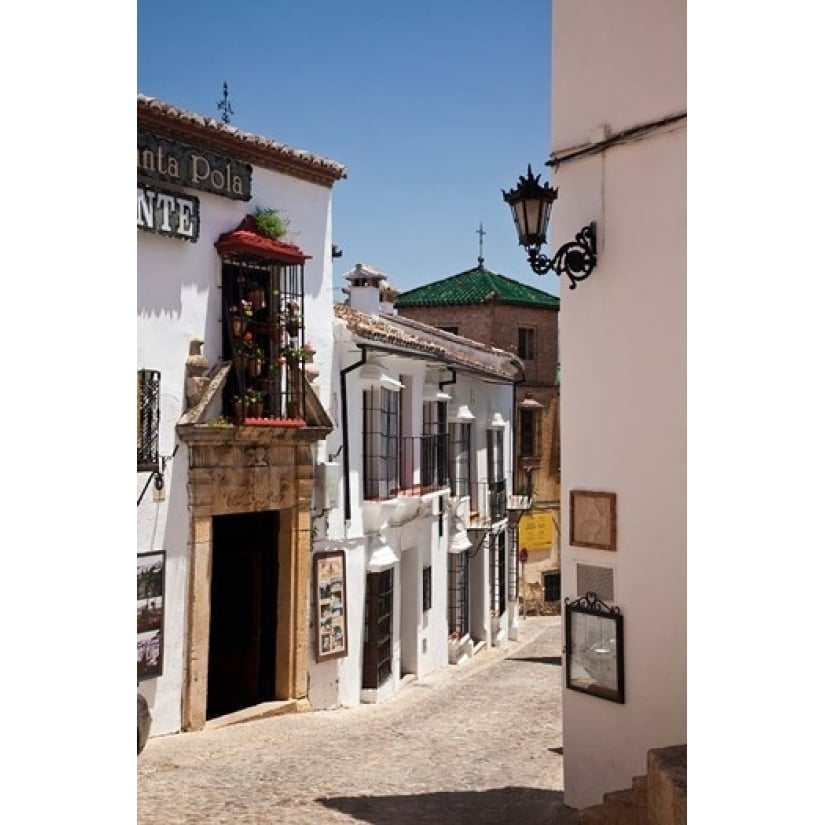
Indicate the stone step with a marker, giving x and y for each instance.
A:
(640, 797)
(262, 711)
(594, 815)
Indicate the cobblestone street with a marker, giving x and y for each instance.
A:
(475, 744)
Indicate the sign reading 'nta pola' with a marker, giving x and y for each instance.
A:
(167, 160)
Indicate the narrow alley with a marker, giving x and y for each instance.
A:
(480, 743)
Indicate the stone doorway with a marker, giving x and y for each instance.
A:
(243, 612)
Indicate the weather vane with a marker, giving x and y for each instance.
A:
(481, 233)
(224, 105)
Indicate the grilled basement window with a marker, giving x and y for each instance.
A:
(148, 424)
(381, 429)
(526, 343)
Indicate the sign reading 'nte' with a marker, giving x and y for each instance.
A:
(168, 213)
(167, 160)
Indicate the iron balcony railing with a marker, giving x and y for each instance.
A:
(406, 465)
(423, 467)
(488, 502)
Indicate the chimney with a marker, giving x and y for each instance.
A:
(369, 291)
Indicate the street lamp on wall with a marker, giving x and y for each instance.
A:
(531, 202)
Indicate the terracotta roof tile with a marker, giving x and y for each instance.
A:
(414, 337)
(256, 148)
(246, 239)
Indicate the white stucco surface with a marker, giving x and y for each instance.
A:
(623, 351)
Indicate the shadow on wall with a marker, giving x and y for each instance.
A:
(526, 806)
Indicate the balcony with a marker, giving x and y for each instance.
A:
(488, 502)
(423, 464)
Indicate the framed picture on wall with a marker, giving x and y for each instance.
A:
(151, 568)
(593, 519)
(329, 587)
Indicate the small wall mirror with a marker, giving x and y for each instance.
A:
(594, 648)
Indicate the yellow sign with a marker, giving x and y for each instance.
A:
(537, 531)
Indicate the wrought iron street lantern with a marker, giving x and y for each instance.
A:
(531, 202)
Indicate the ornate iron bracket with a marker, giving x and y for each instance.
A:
(576, 259)
(591, 603)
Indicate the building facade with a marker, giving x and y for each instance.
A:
(423, 501)
(516, 317)
(230, 411)
(619, 130)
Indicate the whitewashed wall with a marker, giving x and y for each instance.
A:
(413, 537)
(178, 299)
(623, 351)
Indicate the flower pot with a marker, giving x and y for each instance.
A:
(238, 325)
(257, 297)
(239, 361)
(256, 410)
(293, 327)
(254, 366)
(240, 408)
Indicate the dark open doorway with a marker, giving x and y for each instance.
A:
(243, 612)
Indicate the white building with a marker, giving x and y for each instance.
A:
(422, 458)
(224, 495)
(619, 130)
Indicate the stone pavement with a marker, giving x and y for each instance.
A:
(475, 744)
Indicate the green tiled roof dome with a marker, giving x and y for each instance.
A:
(476, 286)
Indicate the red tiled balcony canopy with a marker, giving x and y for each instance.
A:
(246, 239)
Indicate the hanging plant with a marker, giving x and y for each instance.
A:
(271, 222)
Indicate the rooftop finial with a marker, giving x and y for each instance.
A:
(481, 233)
(224, 105)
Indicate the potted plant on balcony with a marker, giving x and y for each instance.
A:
(306, 352)
(271, 222)
(256, 295)
(255, 361)
(240, 315)
(291, 318)
(239, 407)
(255, 403)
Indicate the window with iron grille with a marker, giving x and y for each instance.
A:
(496, 483)
(377, 664)
(264, 338)
(526, 343)
(428, 587)
(457, 589)
(381, 429)
(460, 459)
(434, 445)
(498, 589)
(527, 433)
(552, 587)
(512, 568)
(148, 424)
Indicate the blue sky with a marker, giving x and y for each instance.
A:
(434, 107)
